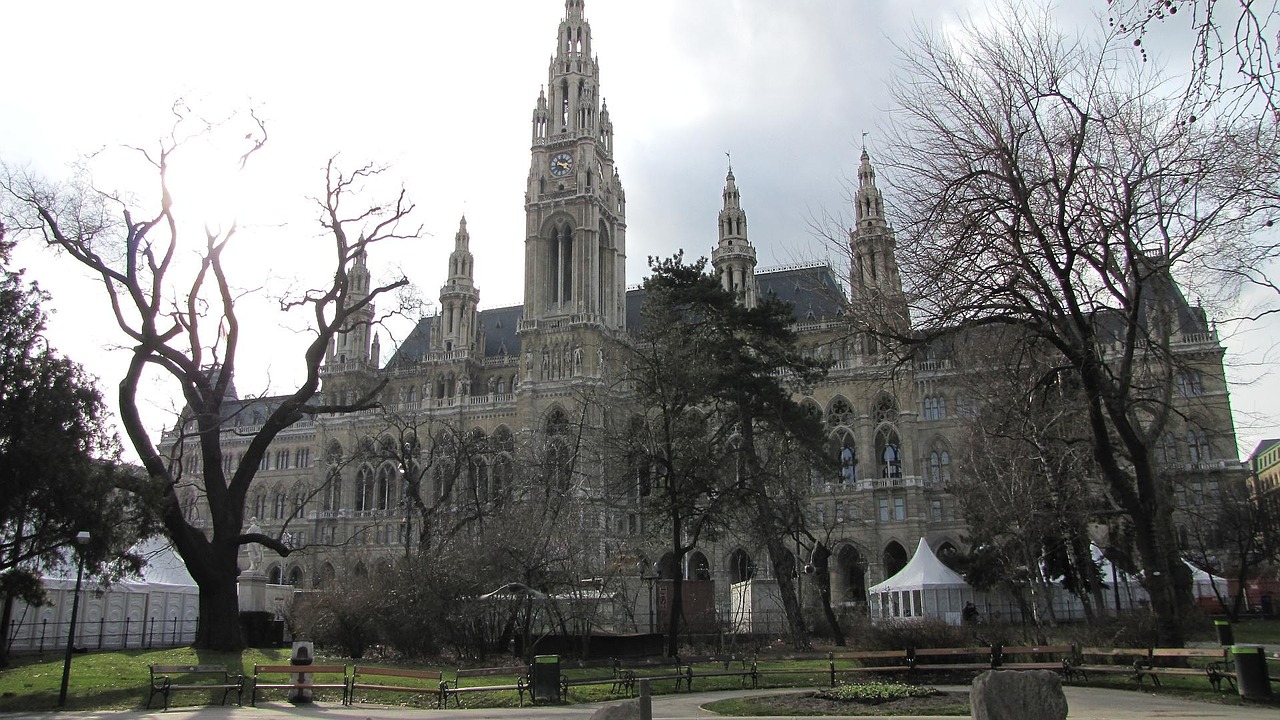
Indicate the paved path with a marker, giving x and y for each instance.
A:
(1085, 704)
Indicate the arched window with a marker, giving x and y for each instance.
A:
(279, 510)
(939, 464)
(501, 482)
(385, 492)
(364, 489)
(885, 411)
(332, 494)
(840, 413)
(740, 566)
(949, 555)
(847, 456)
(295, 576)
(559, 461)
(275, 576)
(889, 453)
(1167, 449)
(935, 408)
(699, 568)
(300, 501)
(260, 505)
(1197, 444)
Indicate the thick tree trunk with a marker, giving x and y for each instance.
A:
(5, 618)
(676, 609)
(219, 627)
(784, 571)
(822, 571)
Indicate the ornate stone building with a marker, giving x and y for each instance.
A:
(509, 374)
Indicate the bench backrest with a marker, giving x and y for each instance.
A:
(1038, 649)
(187, 669)
(870, 655)
(1215, 653)
(514, 670)
(396, 672)
(296, 669)
(1116, 652)
(952, 652)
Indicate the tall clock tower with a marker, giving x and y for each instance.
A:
(575, 243)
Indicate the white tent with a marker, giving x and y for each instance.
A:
(924, 587)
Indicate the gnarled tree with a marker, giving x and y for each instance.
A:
(1046, 184)
(180, 319)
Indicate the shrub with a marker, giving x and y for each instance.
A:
(913, 633)
(875, 692)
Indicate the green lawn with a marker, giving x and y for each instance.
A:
(118, 680)
(111, 680)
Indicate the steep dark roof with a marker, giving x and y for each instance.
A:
(812, 290)
(414, 346)
(499, 326)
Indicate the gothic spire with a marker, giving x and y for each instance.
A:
(869, 203)
(734, 259)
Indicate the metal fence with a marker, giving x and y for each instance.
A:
(147, 633)
(122, 616)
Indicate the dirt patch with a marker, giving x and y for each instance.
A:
(808, 703)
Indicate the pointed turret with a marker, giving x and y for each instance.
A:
(734, 259)
(875, 286)
(575, 249)
(459, 296)
(352, 343)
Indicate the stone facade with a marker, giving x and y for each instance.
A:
(513, 373)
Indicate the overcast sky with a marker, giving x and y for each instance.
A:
(442, 93)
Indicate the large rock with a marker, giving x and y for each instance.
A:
(625, 710)
(1018, 695)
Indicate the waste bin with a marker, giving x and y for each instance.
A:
(302, 655)
(1226, 635)
(546, 678)
(1251, 671)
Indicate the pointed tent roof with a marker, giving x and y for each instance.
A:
(923, 571)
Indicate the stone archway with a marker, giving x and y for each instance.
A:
(849, 576)
(894, 558)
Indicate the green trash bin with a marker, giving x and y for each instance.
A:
(546, 678)
(1251, 671)
(1226, 635)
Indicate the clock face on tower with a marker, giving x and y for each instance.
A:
(561, 164)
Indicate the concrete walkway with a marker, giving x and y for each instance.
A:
(1084, 703)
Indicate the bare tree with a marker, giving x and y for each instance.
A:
(1047, 186)
(182, 321)
(1232, 46)
(1224, 534)
(1027, 486)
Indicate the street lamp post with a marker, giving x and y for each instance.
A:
(82, 539)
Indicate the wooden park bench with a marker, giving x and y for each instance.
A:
(591, 672)
(1036, 657)
(626, 676)
(868, 661)
(953, 659)
(166, 679)
(385, 679)
(720, 666)
(1130, 662)
(1175, 662)
(455, 688)
(307, 679)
